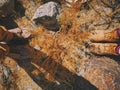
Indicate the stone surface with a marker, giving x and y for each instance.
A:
(103, 73)
(5, 75)
(47, 14)
(19, 78)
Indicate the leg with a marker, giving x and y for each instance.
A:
(105, 36)
(105, 49)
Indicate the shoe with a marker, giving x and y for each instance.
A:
(118, 31)
(118, 49)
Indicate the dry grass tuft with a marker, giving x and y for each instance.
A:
(64, 47)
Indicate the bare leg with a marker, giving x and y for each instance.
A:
(105, 36)
(104, 49)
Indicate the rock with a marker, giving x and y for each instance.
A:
(6, 7)
(46, 15)
(103, 73)
(5, 75)
(16, 76)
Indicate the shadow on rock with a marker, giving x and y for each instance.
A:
(50, 74)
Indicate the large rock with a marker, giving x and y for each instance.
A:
(13, 77)
(6, 7)
(103, 73)
(47, 14)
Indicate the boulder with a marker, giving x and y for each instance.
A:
(103, 73)
(46, 15)
(14, 77)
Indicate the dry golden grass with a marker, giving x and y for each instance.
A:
(65, 47)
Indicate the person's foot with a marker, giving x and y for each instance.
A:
(22, 33)
(25, 33)
(104, 49)
(104, 36)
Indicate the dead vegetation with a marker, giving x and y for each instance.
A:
(68, 44)
(67, 47)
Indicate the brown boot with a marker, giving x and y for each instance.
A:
(105, 36)
(103, 48)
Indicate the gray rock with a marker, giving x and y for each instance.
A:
(5, 75)
(6, 7)
(46, 15)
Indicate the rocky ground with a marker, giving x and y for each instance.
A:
(61, 60)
